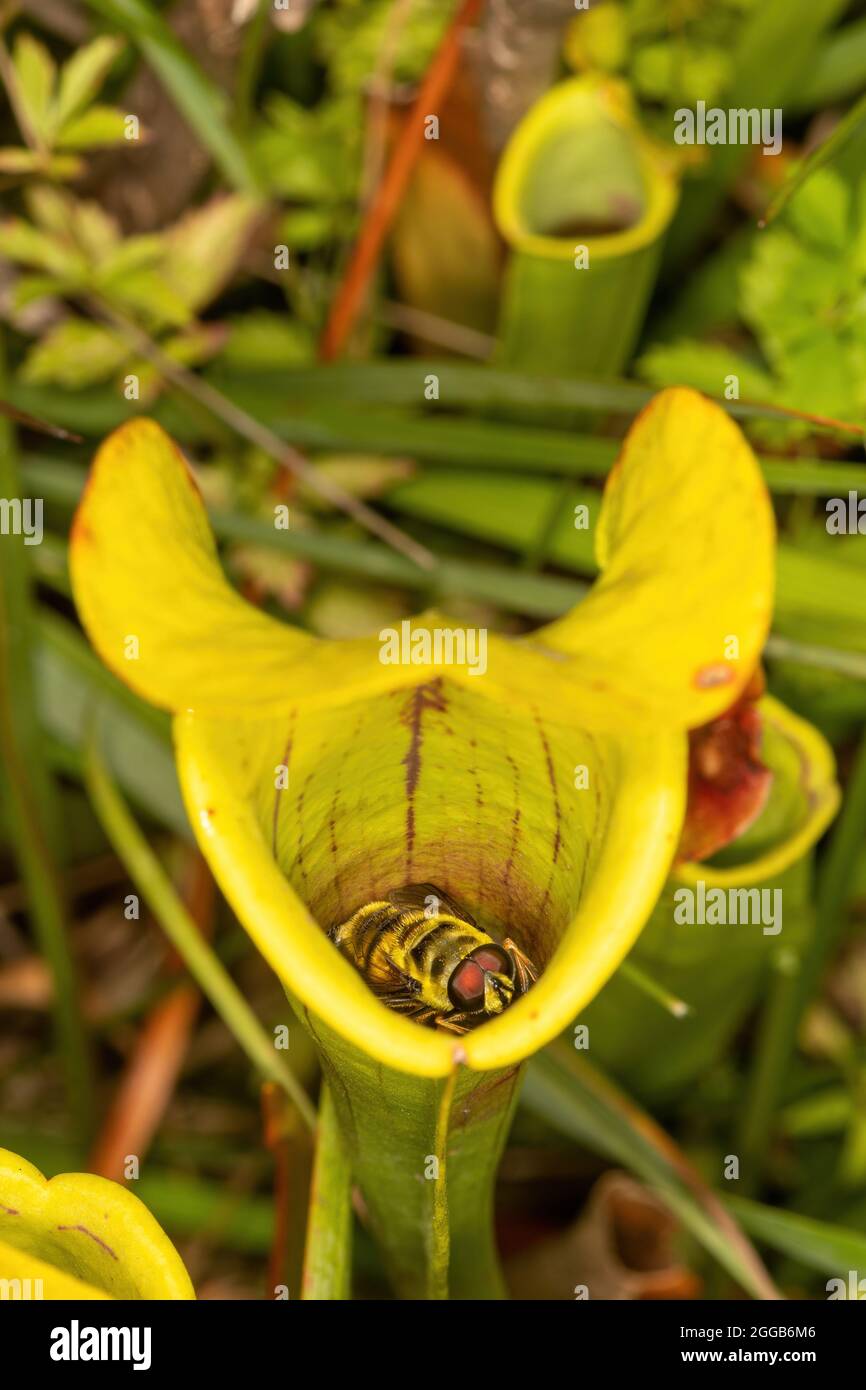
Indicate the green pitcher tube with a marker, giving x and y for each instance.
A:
(583, 200)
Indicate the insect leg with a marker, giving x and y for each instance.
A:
(407, 1002)
(451, 1024)
(524, 969)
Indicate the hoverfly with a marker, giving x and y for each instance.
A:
(425, 957)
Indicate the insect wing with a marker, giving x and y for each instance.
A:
(417, 896)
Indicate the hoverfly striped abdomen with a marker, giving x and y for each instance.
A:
(425, 957)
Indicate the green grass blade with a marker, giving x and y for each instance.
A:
(33, 812)
(461, 386)
(70, 684)
(383, 383)
(158, 891)
(203, 104)
(583, 1104)
(837, 876)
(823, 155)
(830, 1249)
(328, 1253)
(480, 446)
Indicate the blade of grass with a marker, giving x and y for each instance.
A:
(827, 1111)
(830, 1249)
(582, 1103)
(382, 382)
(677, 1008)
(775, 1045)
(478, 445)
(249, 428)
(799, 978)
(824, 154)
(469, 386)
(538, 596)
(256, 34)
(33, 811)
(535, 596)
(837, 872)
(845, 663)
(328, 1254)
(154, 1064)
(70, 683)
(196, 97)
(159, 893)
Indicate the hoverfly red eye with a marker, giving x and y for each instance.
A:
(494, 958)
(466, 986)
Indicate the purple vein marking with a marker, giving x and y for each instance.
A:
(557, 811)
(423, 697)
(278, 793)
(84, 1231)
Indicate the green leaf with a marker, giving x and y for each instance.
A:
(705, 367)
(97, 127)
(29, 795)
(83, 75)
(202, 251)
(311, 156)
(481, 389)
(74, 354)
(824, 154)
(197, 343)
(16, 160)
(583, 1104)
(50, 208)
(305, 229)
(33, 287)
(21, 242)
(95, 229)
(328, 1255)
(131, 254)
(150, 297)
(262, 341)
(819, 212)
(36, 72)
(830, 1249)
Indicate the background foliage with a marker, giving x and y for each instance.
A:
(199, 257)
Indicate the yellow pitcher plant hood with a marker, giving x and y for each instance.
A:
(544, 788)
(79, 1236)
(547, 166)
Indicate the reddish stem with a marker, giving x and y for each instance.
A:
(386, 202)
